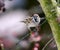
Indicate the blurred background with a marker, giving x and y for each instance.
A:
(15, 34)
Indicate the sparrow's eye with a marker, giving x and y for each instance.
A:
(35, 18)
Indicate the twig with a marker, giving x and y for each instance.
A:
(47, 43)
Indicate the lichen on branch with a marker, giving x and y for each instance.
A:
(51, 15)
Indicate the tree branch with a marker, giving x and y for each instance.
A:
(51, 15)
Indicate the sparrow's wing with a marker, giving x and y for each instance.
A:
(23, 21)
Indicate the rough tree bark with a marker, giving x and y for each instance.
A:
(51, 15)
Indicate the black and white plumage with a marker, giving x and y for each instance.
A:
(32, 21)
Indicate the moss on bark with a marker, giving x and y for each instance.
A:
(51, 15)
